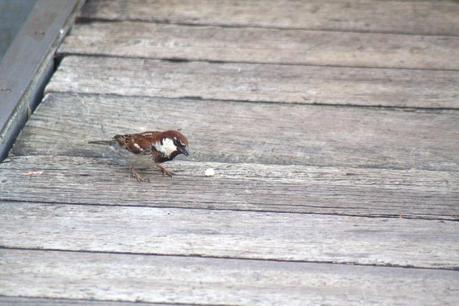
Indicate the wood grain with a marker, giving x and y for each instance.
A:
(234, 234)
(171, 279)
(275, 188)
(250, 132)
(149, 40)
(418, 17)
(304, 195)
(21, 301)
(257, 82)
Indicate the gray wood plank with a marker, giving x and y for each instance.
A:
(251, 132)
(234, 234)
(139, 39)
(419, 17)
(22, 301)
(275, 188)
(202, 280)
(258, 82)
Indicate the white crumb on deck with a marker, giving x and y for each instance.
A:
(209, 172)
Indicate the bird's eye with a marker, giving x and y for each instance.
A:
(177, 143)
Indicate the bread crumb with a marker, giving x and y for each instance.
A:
(209, 172)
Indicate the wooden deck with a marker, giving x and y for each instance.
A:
(333, 129)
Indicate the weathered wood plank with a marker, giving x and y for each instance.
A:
(22, 301)
(251, 132)
(275, 188)
(234, 234)
(419, 17)
(216, 281)
(139, 39)
(258, 82)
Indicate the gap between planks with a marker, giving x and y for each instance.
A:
(215, 281)
(166, 59)
(433, 110)
(8, 300)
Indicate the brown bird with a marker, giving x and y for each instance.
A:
(162, 146)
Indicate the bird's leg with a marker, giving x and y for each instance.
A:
(164, 171)
(139, 178)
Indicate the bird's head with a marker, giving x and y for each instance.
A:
(172, 144)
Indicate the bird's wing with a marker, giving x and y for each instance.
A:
(139, 143)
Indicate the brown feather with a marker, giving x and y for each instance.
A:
(146, 143)
(139, 143)
(142, 143)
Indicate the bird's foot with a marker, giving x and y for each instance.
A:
(164, 171)
(139, 178)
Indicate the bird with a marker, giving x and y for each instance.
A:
(163, 146)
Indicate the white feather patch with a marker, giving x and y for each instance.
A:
(138, 147)
(167, 148)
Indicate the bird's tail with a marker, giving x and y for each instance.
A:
(102, 142)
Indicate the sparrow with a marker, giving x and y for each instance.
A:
(162, 146)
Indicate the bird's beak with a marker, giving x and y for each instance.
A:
(183, 151)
